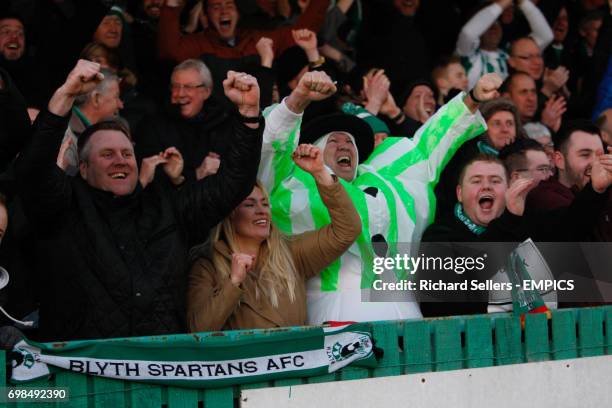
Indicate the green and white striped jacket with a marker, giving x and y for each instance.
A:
(403, 172)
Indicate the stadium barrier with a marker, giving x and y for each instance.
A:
(410, 346)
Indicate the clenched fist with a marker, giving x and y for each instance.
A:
(313, 86)
(243, 90)
(487, 86)
(241, 265)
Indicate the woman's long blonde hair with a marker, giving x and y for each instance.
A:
(277, 271)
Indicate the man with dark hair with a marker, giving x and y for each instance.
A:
(577, 146)
(447, 75)
(526, 158)
(419, 101)
(17, 62)
(116, 255)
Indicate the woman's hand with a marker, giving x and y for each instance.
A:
(310, 159)
(241, 265)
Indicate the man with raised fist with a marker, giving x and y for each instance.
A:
(115, 254)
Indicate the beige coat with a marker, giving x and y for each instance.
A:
(215, 303)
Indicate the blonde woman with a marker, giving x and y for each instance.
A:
(253, 276)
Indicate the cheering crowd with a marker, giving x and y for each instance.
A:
(170, 166)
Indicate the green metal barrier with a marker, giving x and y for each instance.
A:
(411, 346)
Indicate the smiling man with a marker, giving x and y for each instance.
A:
(116, 255)
(576, 146)
(196, 122)
(24, 71)
(12, 38)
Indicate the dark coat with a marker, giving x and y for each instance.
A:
(562, 225)
(117, 266)
(443, 239)
(210, 131)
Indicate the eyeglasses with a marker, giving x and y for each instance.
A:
(187, 88)
(529, 57)
(544, 170)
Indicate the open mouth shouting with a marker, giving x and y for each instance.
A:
(485, 202)
(344, 161)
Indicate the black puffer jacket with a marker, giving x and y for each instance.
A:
(116, 266)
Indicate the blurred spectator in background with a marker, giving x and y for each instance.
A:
(102, 102)
(479, 41)
(449, 74)
(380, 43)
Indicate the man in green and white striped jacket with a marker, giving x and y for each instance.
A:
(392, 189)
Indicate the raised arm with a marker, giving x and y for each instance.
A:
(171, 42)
(206, 202)
(315, 250)
(540, 30)
(469, 37)
(423, 158)
(311, 18)
(46, 187)
(283, 122)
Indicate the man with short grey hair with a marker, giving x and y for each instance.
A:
(102, 102)
(195, 121)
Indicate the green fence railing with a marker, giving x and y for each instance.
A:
(411, 346)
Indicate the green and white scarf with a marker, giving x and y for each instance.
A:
(200, 361)
(475, 228)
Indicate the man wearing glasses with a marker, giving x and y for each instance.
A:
(195, 121)
(526, 158)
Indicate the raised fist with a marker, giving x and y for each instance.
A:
(487, 86)
(241, 265)
(316, 86)
(83, 78)
(243, 90)
(309, 158)
(305, 39)
(265, 49)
